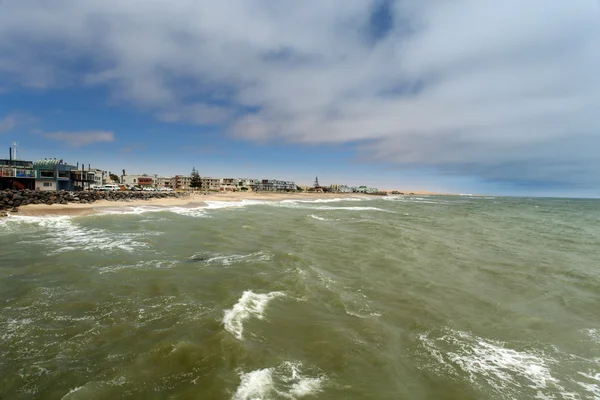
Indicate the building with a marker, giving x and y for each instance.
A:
(274, 185)
(54, 174)
(162, 182)
(180, 182)
(144, 180)
(100, 176)
(230, 184)
(210, 183)
(17, 174)
(336, 188)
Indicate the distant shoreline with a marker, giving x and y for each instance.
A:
(194, 199)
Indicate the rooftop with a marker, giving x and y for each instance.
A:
(50, 163)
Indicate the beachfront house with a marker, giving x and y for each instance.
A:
(143, 180)
(17, 174)
(100, 177)
(274, 185)
(180, 182)
(162, 182)
(229, 184)
(54, 174)
(210, 183)
(337, 188)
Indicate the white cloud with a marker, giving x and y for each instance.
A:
(78, 139)
(504, 90)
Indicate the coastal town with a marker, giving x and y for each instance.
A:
(52, 174)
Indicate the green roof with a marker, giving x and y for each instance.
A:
(46, 164)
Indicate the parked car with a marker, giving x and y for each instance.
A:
(110, 187)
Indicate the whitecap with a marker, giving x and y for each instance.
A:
(229, 259)
(64, 235)
(142, 265)
(249, 305)
(594, 334)
(287, 380)
(491, 363)
(300, 206)
(235, 204)
(318, 218)
(255, 385)
(334, 200)
(71, 392)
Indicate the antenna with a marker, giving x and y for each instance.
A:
(15, 144)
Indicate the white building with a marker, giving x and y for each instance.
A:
(210, 183)
(100, 177)
(162, 182)
(139, 180)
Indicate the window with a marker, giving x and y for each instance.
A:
(47, 174)
(47, 184)
(63, 174)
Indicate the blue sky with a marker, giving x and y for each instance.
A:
(470, 96)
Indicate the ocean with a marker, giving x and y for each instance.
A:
(398, 297)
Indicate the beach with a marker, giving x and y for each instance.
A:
(193, 200)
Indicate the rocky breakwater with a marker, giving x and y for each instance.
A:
(11, 200)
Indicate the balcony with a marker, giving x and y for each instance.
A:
(8, 172)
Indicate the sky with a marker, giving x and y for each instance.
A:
(462, 96)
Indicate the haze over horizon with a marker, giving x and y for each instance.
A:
(470, 96)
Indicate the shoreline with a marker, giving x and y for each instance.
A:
(191, 201)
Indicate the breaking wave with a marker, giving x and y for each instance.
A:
(491, 364)
(231, 258)
(250, 305)
(63, 234)
(287, 380)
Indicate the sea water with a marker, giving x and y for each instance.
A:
(401, 297)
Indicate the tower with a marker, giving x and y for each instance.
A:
(316, 184)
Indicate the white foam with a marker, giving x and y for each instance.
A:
(594, 334)
(187, 211)
(492, 363)
(303, 206)
(318, 218)
(71, 392)
(142, 265)
(284, 381)
(255, 385)
(594, 387)
(233, 258)
(249, 305)
(335, 200)
(64, 234)
(235, 204)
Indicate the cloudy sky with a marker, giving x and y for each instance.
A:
(470, 96)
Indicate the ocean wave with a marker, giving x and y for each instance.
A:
(334, 200)
(250, 305)
(231, 258)
(63, 234)
(142, 265)
(594, 334)
(303, 206)
(139, 210)
(492, 364)
(287, 380)
(215, 205)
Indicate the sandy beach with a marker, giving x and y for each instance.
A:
(193, 200)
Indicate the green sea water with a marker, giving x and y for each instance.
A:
(385, 298)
